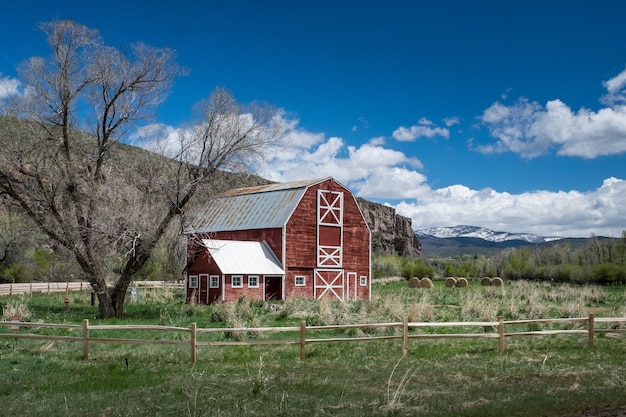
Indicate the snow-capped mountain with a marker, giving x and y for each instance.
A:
(481, 233)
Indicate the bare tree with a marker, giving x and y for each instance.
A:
(107, 203)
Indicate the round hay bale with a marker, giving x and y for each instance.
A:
(414, 282)
(486, 281)
(426, 283)
(497, 282)
(462, 282)
(450, 282)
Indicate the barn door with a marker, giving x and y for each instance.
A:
(203, 296)
(273, 288)
(329, 284)
(351, 286)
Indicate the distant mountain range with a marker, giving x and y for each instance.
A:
(473, 240)
(481, 233)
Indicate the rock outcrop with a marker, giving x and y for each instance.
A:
(391, 233)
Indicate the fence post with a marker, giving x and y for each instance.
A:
(591, 328)
(85, 338)
(302, 338)
(11, 290)
(193, 342)
(405, 336)
(500, 334)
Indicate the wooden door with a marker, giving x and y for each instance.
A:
(273, 288)
(329, 284)
(203, 291)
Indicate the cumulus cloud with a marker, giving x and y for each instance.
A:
(389, 176)
(424, 128)
(375, 171)
(616, 89)
(531, 129)
(566, 214)
(10, 87)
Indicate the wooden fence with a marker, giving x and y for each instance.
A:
(48, 287)
(303, 331)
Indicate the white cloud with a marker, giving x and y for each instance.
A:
(424, 128)
(530, 129)
(566, 214)
(386, 175)
(9, 87)
(451, 121)
(616, 89)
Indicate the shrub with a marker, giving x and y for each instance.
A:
(608, 274)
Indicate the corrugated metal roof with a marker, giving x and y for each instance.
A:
(238, 257)
(271, 187)
(268, 206)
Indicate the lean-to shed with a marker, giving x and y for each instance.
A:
(273, 242)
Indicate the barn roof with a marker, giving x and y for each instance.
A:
(239, 257)
(261, 207)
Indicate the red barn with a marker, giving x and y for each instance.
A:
(273, 242)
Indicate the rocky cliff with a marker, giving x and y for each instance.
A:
(391, 233)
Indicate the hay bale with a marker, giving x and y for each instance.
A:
(486, 281)
(497, 282)
(450, 282)
(462, 283)
(414, 282)
(426, 283)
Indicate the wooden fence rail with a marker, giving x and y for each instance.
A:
(48, 287)
(303, 331)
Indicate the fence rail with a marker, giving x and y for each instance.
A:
(48, 287)
(303, 331)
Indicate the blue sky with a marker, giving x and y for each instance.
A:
(505, 114)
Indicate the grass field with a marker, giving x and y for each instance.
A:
(535, 376)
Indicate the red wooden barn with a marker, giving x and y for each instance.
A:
(273, 242)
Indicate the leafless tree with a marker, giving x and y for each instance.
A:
(105, 202)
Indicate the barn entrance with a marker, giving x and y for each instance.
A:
(273, 288)
(329, 284)
(209, 289)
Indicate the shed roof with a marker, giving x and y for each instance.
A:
(261, 207)
(239, 257)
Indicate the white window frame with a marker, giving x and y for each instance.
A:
(303, 283)
(232, 281)
(193, 281)
(257, 281)
(214, 281)
(363, 281)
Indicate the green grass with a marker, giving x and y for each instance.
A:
(534, 376)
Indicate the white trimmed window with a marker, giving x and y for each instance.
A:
(300, 280)
(237, 281)
(215, 281)
(363, 281)
(193, 281)
(253, 281)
